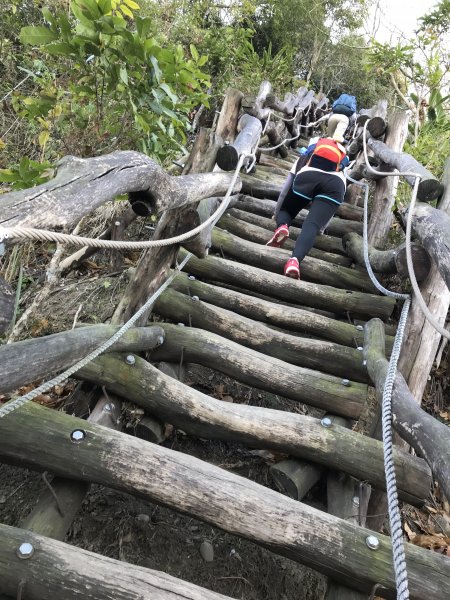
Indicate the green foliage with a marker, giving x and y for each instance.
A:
(26, 174)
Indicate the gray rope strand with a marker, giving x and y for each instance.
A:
(13, 405)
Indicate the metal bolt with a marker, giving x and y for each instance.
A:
(373, 542)
(346, 382)
(77, 435)
(364, 363)
(355, 500)
(326, 422)
(191, 277)
(195, 298)
(160, 340)
(108, 408)
(359, 327)
(25, 550)
(360, 348)
(117, 223)
(130, 360)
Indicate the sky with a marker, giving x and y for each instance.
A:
(392, 18)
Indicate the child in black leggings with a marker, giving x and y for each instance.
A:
(320, 184)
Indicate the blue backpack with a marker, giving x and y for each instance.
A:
(346, 100)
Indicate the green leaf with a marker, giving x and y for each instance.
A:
(123, 75)
(169, 92)
(143, 26)
(157, 71)
(36, 36)
(24, 166)
(105, 6)
(60, 49)
(202, 60)
(194, 52)
(48, 16)
(133, 5)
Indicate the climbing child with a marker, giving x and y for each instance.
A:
(341, 110)
(321, 183)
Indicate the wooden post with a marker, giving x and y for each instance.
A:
(7, 301)
(249, 131)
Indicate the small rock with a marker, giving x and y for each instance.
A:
(194, 528)
(143, 518)
(207, 551)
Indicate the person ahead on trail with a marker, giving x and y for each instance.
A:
(342, 110)
(321, 183)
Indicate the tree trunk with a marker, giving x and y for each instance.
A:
(297, 292)
(255, 369)
(429, 188)
(286, 317)
(432, 227)
(273, 259)
(326, 243)
(249, 131)
(429, 437)
(294, 477)
(388, 261)
(313, 354)
(50, 354)
(83, 184)
(218, 497)
(7, 302)
(58, 570)
(386, 189)
(421, 340)
(260, 235)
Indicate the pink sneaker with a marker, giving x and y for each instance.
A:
(279, 237)
(292, 268)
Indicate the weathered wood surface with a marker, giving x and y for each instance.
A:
(421, 340)
(276, 133)
(257, 370)
(295, 477)
(201, 243)
(255, 105)
(273, 259)
(304, 352)
(66, 572)
(261, 235)
(432, 227)
(266, 208)
(249, 129)
(297, 435)
(27, 361)
(287, 317)
(7, 302)
(216, 496)
(298, 292)
(388, 261)
(327, 243)
(429, 437)
(381, 214)
(430, 188)
(83, 184)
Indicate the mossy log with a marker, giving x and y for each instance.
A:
(273, 259)
(293, 434)
(59, 570)
(266, 208)
(27, 361)
(253, 368)
(286, 317)
(327, 243)
(429, 189)
(429, 437)
(432, 227)
(388, 261)
(260, 235)
(304, 352)
(216, 496)
(249, 129)
(298, 292)
(83, 184)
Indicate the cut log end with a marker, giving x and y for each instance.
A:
(429, 190)
(227, 158)
(376, 127)
(141, 202)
